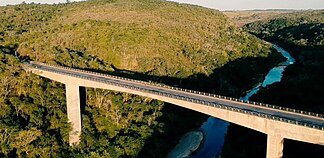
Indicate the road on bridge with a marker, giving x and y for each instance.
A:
(148, 87)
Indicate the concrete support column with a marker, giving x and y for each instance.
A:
(275, 146)
(73, 112)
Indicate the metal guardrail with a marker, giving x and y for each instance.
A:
(208, 103)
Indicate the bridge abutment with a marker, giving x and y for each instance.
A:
(274, 146)
(73, 101)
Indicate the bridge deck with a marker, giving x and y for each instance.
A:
(301, 118)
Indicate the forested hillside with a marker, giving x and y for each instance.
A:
(166, 42)
(302, 28)
(302, 34)
(243, 17)
(172, 40)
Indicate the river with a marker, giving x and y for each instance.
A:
(214, 130)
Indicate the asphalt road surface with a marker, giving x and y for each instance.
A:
(206, 99)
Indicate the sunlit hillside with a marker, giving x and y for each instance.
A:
(198, 48)
(147, 36)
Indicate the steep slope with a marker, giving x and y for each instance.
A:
(146, 36)
(302, 28)
(301, 34)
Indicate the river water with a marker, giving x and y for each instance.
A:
(214, 130)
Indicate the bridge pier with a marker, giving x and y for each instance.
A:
(73, 112)
(274, 146)
(283, 123)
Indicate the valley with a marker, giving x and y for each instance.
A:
(162, 42)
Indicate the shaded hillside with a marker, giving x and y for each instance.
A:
(299, 28)
(152, 40)
(301, 34)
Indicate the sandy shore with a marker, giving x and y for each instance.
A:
(187, 144)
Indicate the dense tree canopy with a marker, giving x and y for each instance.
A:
(301, 34)
(302, 28)
(153, 38)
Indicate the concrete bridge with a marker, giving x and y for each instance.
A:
(278, 123)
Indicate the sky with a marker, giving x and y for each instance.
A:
(222, 4)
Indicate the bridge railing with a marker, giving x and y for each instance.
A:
(226, 107)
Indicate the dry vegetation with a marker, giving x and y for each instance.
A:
(244, 17)
(145, 36)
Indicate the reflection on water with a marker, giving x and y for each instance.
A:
(214, 134)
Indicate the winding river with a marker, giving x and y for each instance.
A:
(213, 130)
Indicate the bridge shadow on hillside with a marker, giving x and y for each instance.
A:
(230, 80)
(233, 79)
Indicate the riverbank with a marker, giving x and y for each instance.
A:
(215, 130)
(258, 142)
(187, 144)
